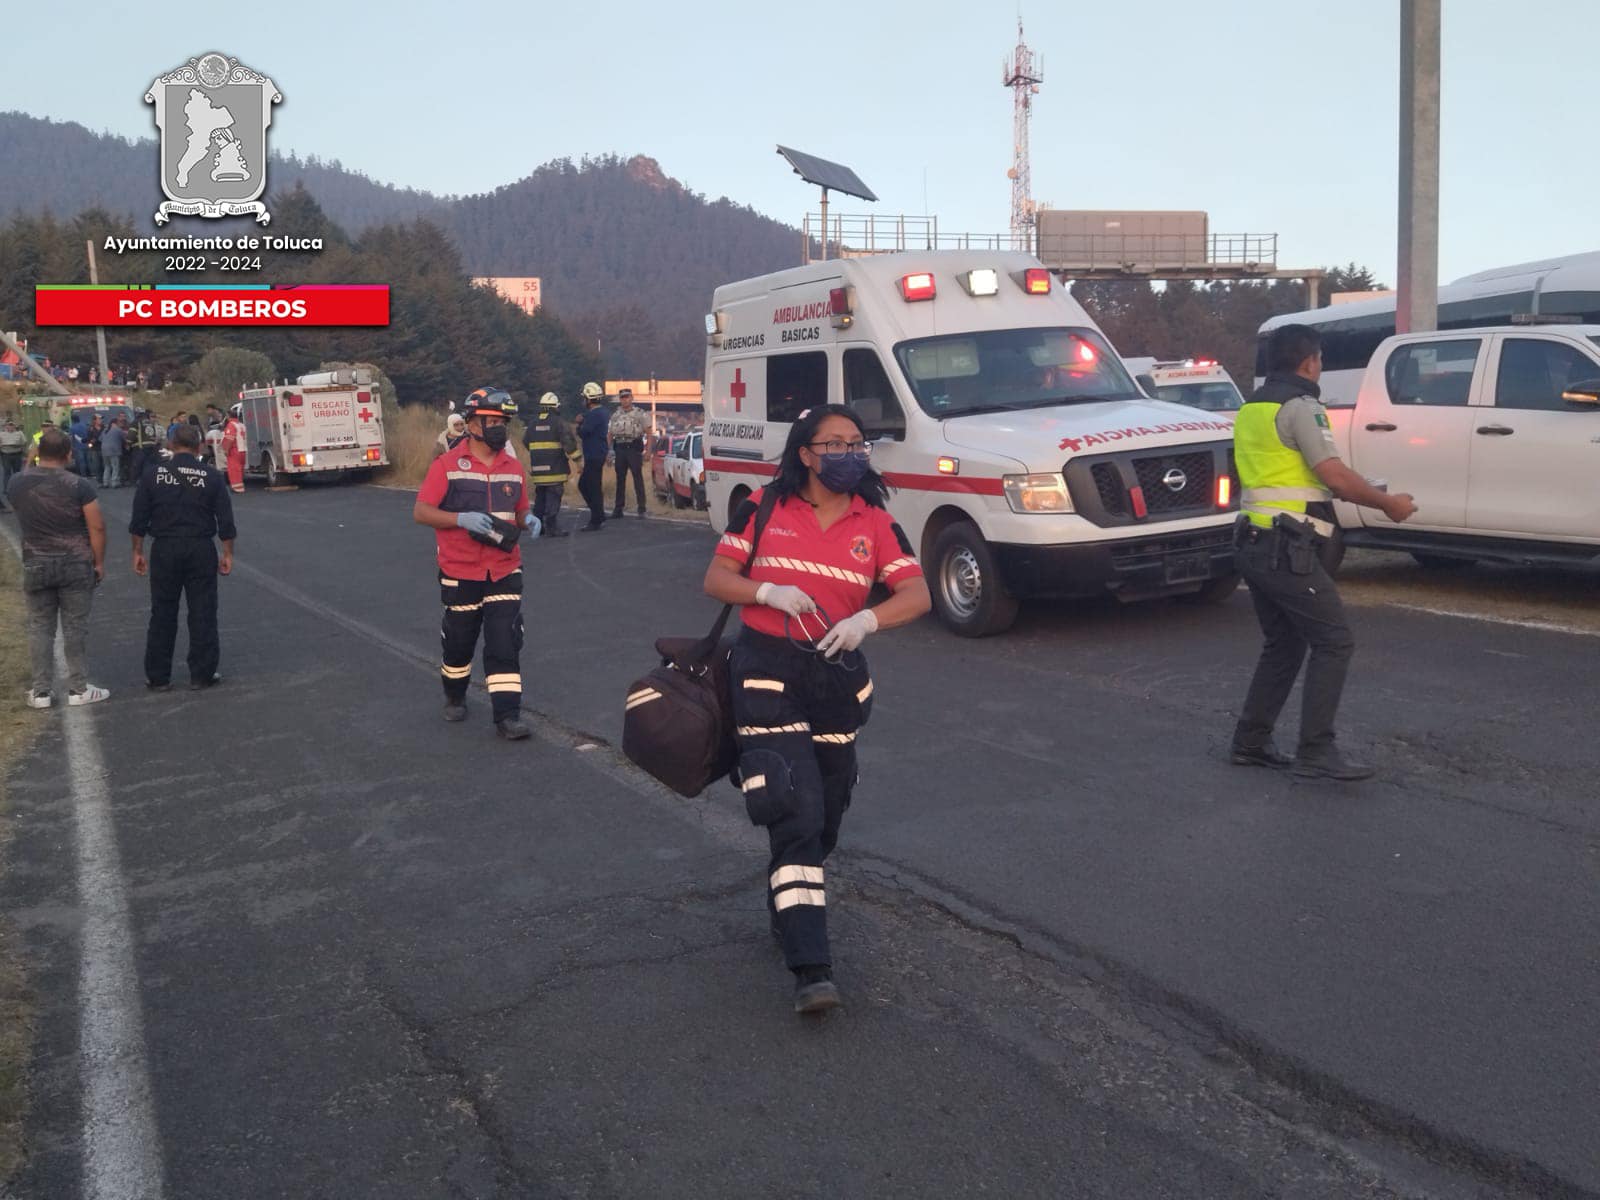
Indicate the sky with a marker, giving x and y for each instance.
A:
(1272, 117)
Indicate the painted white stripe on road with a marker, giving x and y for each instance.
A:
(121, 1147)
(1542, 626)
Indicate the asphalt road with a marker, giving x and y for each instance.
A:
(1082, 956)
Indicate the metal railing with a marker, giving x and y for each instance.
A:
(860, 234)
(1144, 251)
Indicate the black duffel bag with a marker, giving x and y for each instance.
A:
(678, 721)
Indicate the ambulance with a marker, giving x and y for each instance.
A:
(324, 426)
(1025, 460)
(1201, 383)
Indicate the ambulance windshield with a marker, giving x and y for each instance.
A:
(1000, 370)
(1217, 395)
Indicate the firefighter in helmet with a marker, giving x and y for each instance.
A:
(551, 448)
(476, 502)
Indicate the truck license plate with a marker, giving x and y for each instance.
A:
(1189, 568)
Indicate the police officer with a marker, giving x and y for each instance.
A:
(183, 504)
(1289, 473)
(592, 434)
(551, 449)
(476, 502)
(626, 433)
(822, 540)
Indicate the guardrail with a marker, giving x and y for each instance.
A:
(855, 236)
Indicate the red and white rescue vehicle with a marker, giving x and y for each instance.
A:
(323, 425)
(1026, 461)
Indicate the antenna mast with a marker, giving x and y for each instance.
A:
(1023, 76)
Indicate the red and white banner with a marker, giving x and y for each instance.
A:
(311, 305)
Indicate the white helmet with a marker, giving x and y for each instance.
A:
(549, 400)
(592, 391)
(237, 410)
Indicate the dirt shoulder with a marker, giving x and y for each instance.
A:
(1562, 598)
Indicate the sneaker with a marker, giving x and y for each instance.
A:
(164, 686)
(455, 712)
(1265, 755)
(1332, 765)
(40, 699)
(200, 685)
(512, 729)
(89, 695)
(592, 527)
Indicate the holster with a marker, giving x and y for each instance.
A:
(1297, 545)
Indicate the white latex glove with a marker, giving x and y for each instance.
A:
(848, 633)
(533, 525)
(475, 522)
(785, 599)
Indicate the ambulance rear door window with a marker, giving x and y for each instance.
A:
(796, 382)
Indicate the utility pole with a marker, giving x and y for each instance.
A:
(32, 367)
(99, 330)
(1416, 307)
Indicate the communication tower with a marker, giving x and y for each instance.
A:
(1023, 75)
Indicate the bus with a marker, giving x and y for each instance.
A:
(1554, 288)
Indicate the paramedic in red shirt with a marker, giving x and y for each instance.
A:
(801, 689)
(473, 498)
(233, 446)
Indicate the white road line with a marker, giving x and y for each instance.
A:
(121, 1148)
(1542, 626)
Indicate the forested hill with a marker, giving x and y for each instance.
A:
(628, 256)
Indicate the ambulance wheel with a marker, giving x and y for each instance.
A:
(271, 468)
(968, 594)
(740, 495)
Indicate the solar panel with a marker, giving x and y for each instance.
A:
(827, 174)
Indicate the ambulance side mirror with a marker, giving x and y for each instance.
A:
(1148, 383)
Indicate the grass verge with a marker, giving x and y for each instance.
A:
(18, 724)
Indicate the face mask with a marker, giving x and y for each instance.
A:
(495, 437)
(842, 472)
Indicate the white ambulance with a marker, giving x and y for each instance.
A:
(1201, 383)
(1026, 462)
(324, 425)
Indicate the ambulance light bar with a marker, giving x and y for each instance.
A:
(1036, 281)
(918, 286)
(981, 281)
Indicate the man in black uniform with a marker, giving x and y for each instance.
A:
(184, 504)
(1289, 473)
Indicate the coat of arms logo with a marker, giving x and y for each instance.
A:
(213, 114)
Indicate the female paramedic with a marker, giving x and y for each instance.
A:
(801, 689)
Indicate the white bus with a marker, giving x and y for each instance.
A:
(1556, 287)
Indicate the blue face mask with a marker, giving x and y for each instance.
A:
(842, 473)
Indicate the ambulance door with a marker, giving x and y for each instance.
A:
(735, 444)
(868, 389)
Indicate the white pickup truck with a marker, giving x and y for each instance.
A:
(1495, 431)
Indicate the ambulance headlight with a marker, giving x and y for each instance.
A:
(1037, 493)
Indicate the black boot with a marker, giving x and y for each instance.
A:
(1330, 764)
(814, 991)
(512, 729)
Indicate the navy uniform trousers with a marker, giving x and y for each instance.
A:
(797, 717)
(494, 608)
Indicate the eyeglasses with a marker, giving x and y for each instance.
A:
(840, 446)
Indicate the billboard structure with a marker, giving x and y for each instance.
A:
(524, 291)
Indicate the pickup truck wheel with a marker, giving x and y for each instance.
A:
(271, 469)
(1213, 591)
(1333, 552)
(968, 594)
(699, 500)
(1442, 562)
(677, 500)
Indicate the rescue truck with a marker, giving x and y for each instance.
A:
(1026, 462)
(324, 426)
(1201, 383)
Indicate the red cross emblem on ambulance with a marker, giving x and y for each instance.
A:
(737, 389)
(365, 414)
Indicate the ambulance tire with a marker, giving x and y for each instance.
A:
(740, 495)
(969, 596)
(271, 470)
